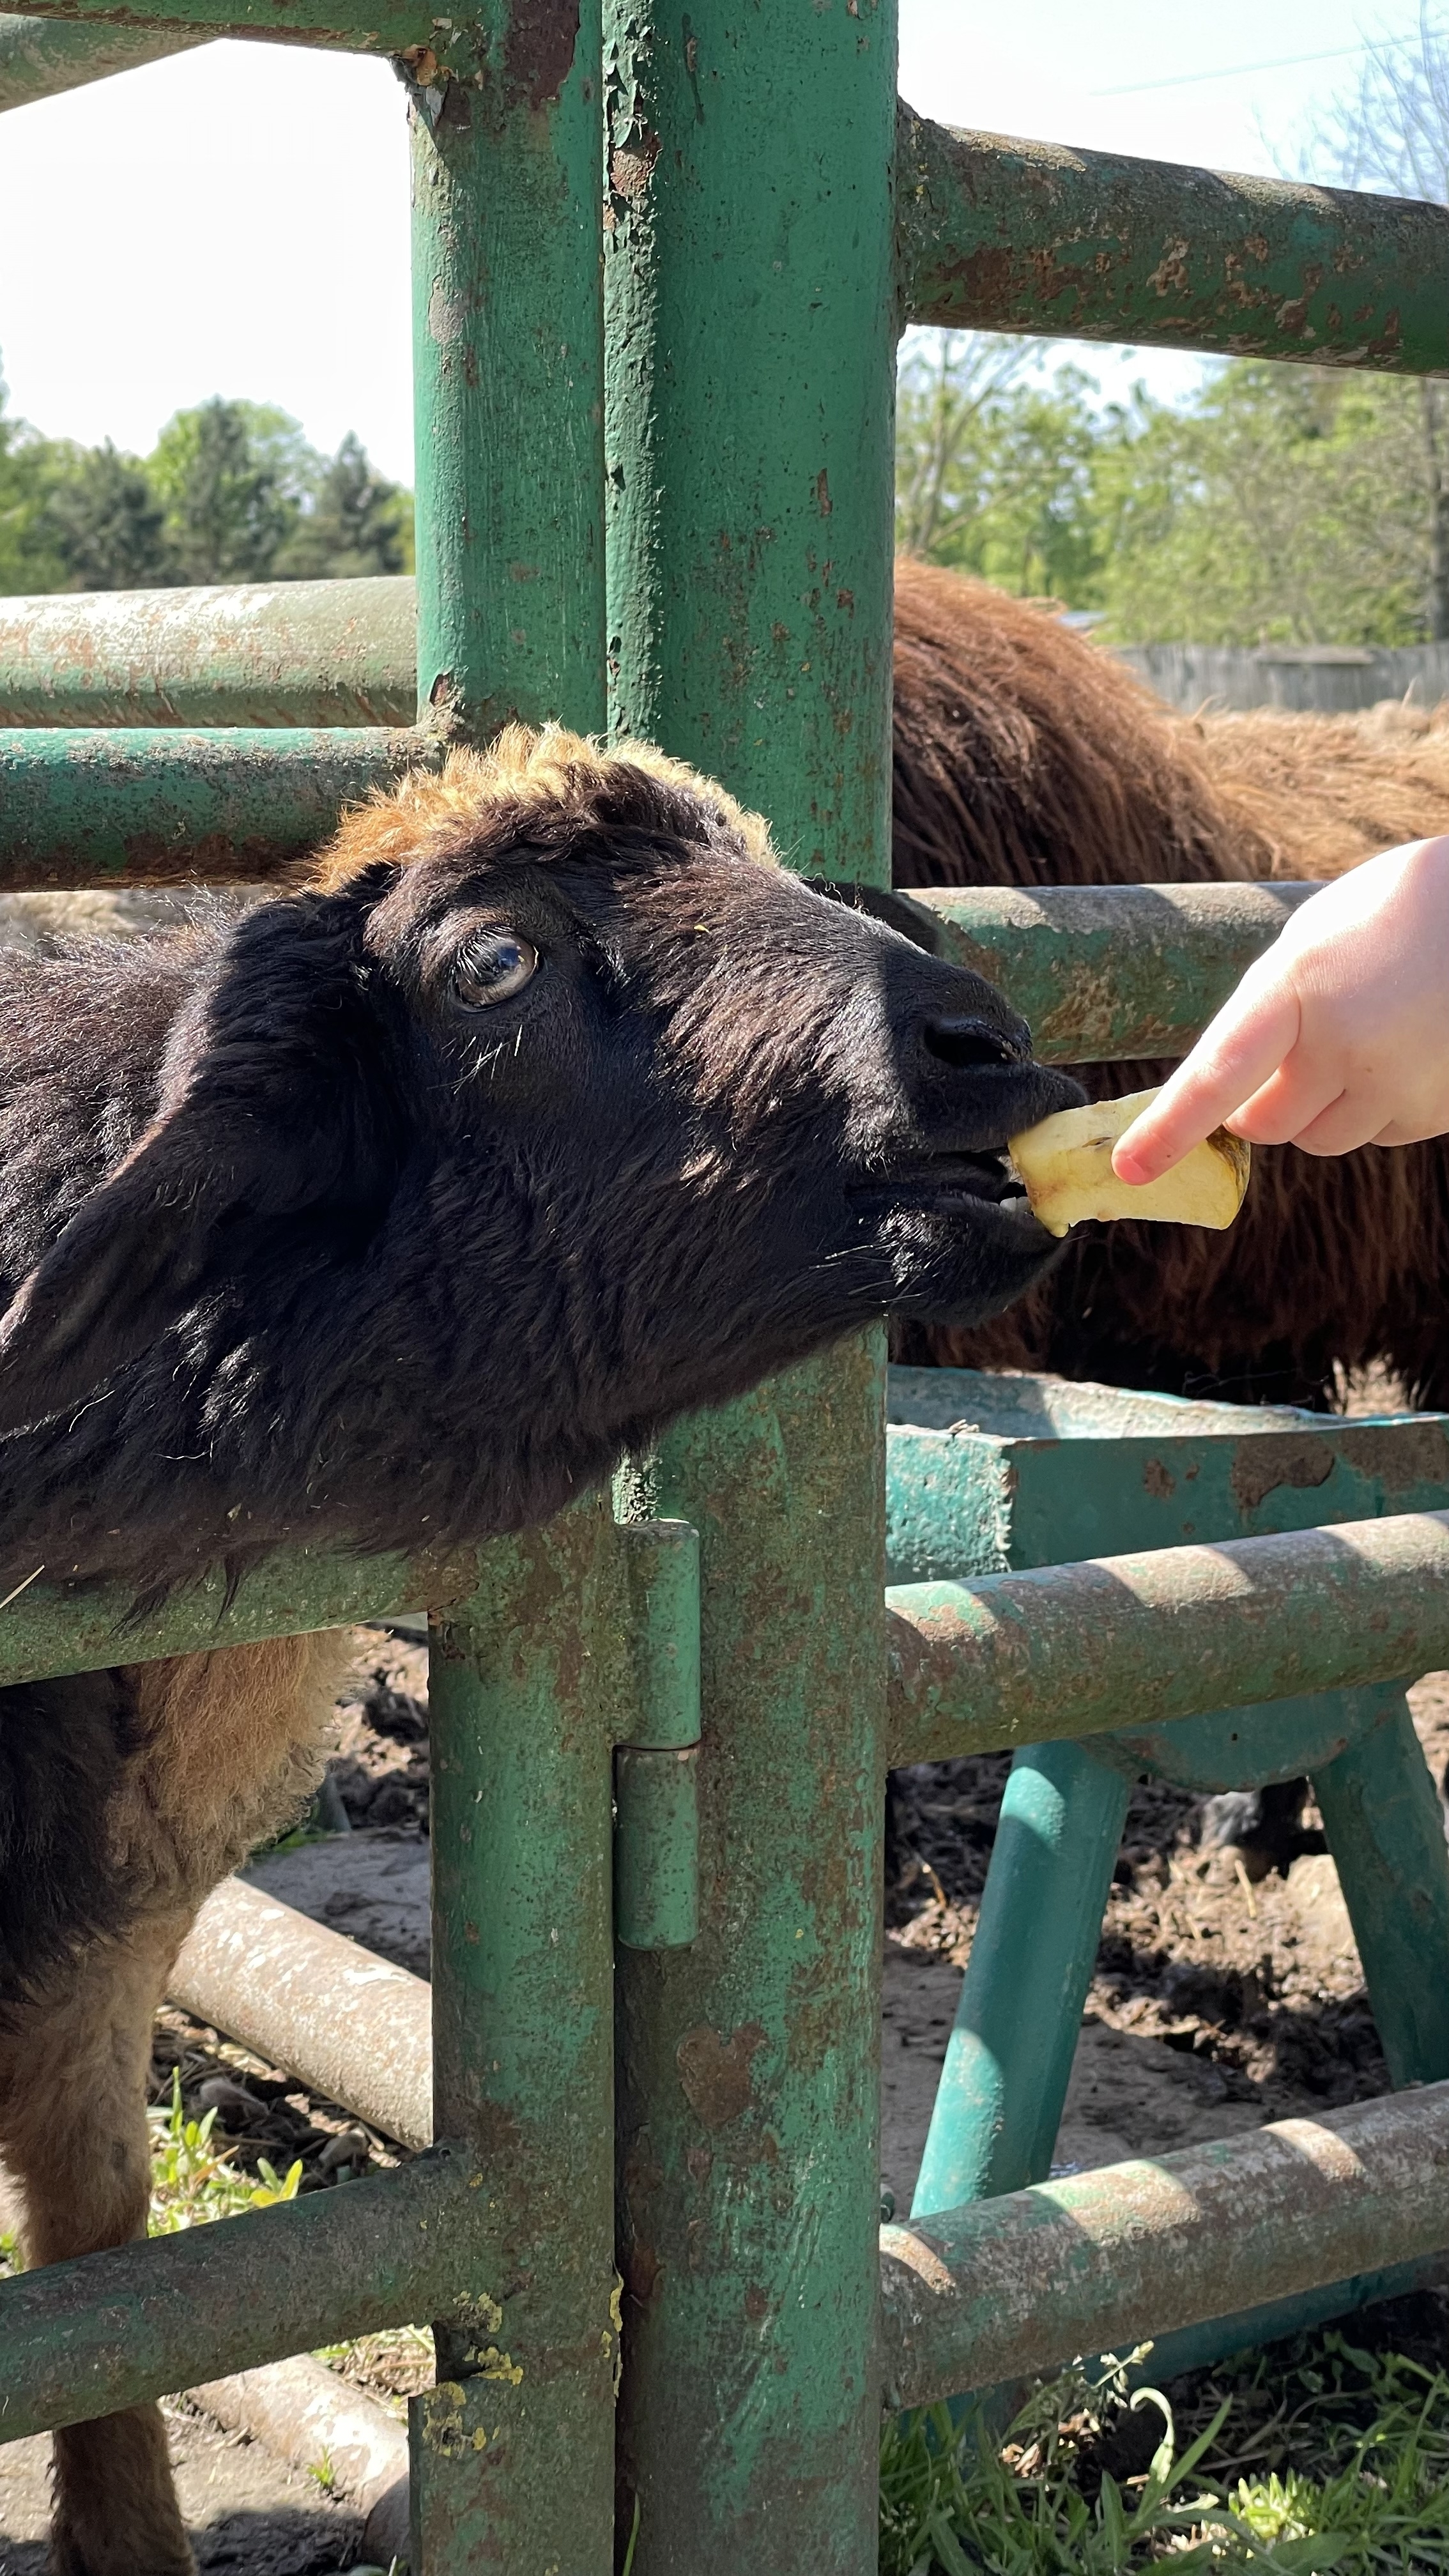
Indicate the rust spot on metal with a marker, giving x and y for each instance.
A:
(1158, 1480)
(1169, 277)
(716, 2073)
(631, 167)
(757, 2304)
(539, 49)
(822, 494)
(1398, 1455)
(1265, 1462)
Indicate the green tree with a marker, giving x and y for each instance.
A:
(1284, 504)
(995, 475)
(233, 477)
(28, 464)
(1390, 130)
(107, 524)
(357, 523)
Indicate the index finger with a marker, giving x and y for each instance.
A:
(1235, 1055)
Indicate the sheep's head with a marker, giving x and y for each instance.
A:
(551, 1108)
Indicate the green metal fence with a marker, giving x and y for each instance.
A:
(653, 475)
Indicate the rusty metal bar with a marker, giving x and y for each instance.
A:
(152, 808)
(48, 1629)
(398, 27)
(348, 2024)
(1168, 1633)
(250, 653)
(999, 2289)
(1105, 973)
(994, 234)
(39, 57)
(111, 2330)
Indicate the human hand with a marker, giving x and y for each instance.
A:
(1337, 1036)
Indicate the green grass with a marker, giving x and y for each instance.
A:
(192, 2181)
(1313, 2455)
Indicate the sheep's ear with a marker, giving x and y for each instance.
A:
(274, 1105)
(884, 903)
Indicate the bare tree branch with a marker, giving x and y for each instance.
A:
(944, 379)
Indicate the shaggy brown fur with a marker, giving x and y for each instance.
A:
(1026, 756)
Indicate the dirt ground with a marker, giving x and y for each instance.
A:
(246, 2511)
(1217, 2003)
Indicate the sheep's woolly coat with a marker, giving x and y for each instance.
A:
(390, 1214)
(1026, 756)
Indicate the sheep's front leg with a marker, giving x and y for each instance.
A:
(73, 2076)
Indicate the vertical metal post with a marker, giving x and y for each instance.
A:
(513, 2451)
(508, 377)
(749, 301)
(999, 2101)
(1385, 1829)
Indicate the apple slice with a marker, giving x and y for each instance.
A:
(1066, 1167)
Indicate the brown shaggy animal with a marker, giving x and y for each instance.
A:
(1026, 756)
(398, 1209)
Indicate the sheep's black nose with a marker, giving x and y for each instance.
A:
(963, 1041)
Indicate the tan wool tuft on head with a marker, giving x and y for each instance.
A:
(524, 773)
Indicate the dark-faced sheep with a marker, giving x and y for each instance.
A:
(1026, 756)
(395, 1211)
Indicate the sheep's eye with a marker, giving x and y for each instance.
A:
(492, 968)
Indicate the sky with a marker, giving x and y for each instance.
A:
(234, 220)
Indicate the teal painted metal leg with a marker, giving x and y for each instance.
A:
(999, 2102)
(1385, 1830)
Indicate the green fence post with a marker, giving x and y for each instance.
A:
(513, 2451)
(999, 2101)
(508, 379)
(749, 300)
(1385, 1829)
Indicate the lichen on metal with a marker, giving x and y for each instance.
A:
(996, 234)
(246, 653)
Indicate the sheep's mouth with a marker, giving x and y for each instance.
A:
(956, 1184)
